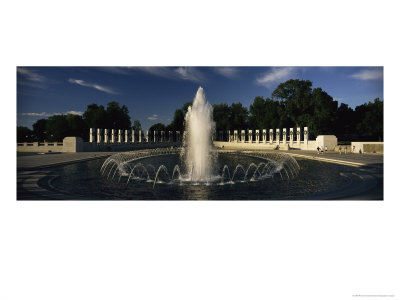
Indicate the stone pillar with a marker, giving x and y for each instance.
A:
(298, 136)
(162, 135)
(126, 141)
(257, 136)
(228, 133)
(178, 136)
(99, 135)
(264, 135)
(278, 136)
(291, 137)
(119, 136)
(235, 136)
(250, 135)
(271, 136)
(243, 136)
(284, 136)
(155, 136)
(170, 136)
(139, 136)
(147, 137)
(113, 136)
(132, 136)
(91, 135)
(106, 139)
(305, 135)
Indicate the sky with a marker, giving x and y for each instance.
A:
(152, 94)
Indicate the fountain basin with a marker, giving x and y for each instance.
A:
(314, 180)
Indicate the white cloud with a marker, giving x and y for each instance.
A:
(47, 114)
(153, 117)
(229, 72)
(31, 114)
(180, 73)
(368, 74)
(275, 75)
(31, 75)
(74, 112)
(189, 73)
(92, 85)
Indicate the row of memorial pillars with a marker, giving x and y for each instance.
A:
(130, 136)
(275, 136)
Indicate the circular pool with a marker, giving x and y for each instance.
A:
(159, 175)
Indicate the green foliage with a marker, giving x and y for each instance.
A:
(114, 117)
(24, 134)
(39, 130)
(294, 103)
(178, 123)
(136, 125)
(371, 119)
(157, 127)
(221, 115)
(56, 128)
(239, 116)
(95, 116)
(117, 117)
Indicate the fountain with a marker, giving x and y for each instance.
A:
(198, 162)
(197, 144)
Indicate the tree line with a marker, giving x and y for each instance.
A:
(294, 103)
(57, 127)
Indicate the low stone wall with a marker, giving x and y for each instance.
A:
(367, 147)
(76, 144)
(40, 147)
(243, 146)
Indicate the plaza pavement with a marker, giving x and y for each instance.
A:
(28, 161)
(34, 161)
(31, 167)
(356, 159)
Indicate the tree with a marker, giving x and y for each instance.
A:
(221, 114)
(56, 128)
(117, 117)
(322, 119)
(303, 106)
(77, 126)
(297, 101)
(257, 118)
(157, 127)
(24, 134)
(370, 117)
(345, 124)
(239, 116)
(136, 125)
(178, 123)
(39, 130)
(95, 116)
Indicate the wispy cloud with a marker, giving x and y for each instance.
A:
(29, 77)
(30, 74)
(93, 85)
(228, 72)
(47, 114)
(74, 112)
(179, 73)
(153, 117)
(32, 114)
(189, 73)
(369, 74)
(275, 75)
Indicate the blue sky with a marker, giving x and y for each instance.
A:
(153, 93)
